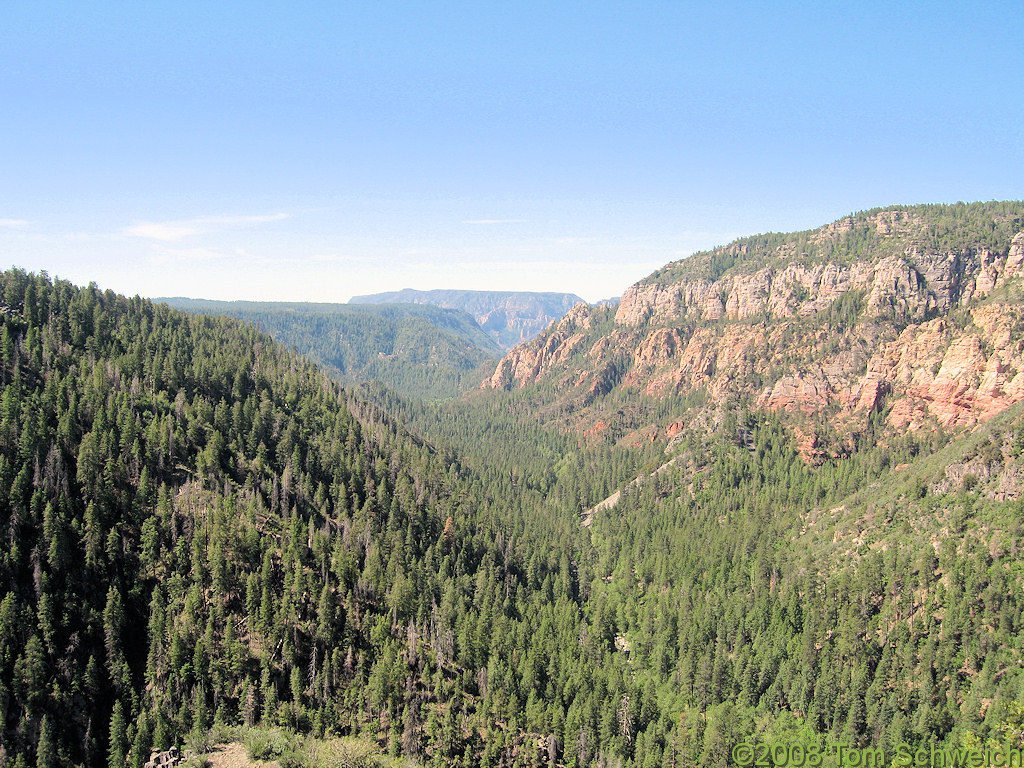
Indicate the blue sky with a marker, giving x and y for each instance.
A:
(312, 151)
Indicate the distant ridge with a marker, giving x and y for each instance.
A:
(419, 350)
(509, 317)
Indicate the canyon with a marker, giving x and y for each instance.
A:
(892, 312)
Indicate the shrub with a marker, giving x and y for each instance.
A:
(348, 753)
(200, 742)
(266, 744)
(292, 758)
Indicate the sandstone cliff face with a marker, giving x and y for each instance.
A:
(932, 337)
(528, 362)
(912, 286)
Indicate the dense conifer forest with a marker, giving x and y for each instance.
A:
(203, 528)
(418, 350)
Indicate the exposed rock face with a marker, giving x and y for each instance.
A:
(803, 392)
(528, 362)
(913, 286)
(813, 338)
(996, 469)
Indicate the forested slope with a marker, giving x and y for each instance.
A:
(863, 601)
(419, 350)
(201, 526)
(873, 599)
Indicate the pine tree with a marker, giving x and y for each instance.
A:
(46, 748)
(118, 748)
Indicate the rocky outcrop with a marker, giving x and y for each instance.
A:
(998, 473)
(808, 392)
(169, 758)
(528, 362)
(932, 336)
(909, 287)
(957, 378)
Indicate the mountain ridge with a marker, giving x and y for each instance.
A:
(419, 350)
(912, 308)
(510, 317)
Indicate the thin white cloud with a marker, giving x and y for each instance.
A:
(170, 231)
(493, 221)
(166, 232)
(13, 224)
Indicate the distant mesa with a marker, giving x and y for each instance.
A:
(509, 317)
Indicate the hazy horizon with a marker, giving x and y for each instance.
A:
(316, 152)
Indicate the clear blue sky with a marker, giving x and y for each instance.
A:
(311, 151)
